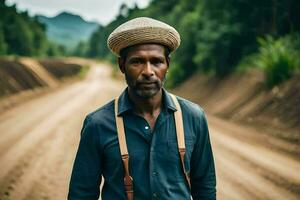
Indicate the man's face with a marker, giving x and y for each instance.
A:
(145, 68)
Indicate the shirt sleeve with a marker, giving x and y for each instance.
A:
(203, 179)
(86, 174)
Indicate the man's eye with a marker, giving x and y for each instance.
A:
(135, 61)
(157, 61)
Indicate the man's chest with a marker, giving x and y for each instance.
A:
(153, 154)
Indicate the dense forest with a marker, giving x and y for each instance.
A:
(23, 35)
(219, 37)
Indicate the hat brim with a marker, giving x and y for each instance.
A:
(144, 35)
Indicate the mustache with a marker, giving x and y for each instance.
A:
(146, 81)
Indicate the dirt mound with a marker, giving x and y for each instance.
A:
(24, 78)
(244, 98)
(26, 73)
(60, 69)
(15, 77)
(40, 71)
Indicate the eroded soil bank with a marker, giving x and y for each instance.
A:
(244, 98)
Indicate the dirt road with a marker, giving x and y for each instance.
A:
(38, 142)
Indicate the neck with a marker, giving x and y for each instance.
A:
(149, 106)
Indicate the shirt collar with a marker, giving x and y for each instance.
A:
(125, 104)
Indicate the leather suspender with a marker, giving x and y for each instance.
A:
(180, 137)
(128, 181)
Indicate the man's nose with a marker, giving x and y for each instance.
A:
(148, 70)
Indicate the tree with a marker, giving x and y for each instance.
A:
(21, 35)
(3, 46)
(80, 49)
(215, 34)
(96, 44)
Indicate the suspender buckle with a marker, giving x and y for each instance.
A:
(128, 180)
(186, 174)
(128, 183)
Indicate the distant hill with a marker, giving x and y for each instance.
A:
(67, 29)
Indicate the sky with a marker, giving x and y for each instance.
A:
(101, 11)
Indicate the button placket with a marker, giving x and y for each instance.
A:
(152, 168)
(146, 128)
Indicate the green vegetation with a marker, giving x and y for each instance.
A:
(3, 45)
(216, 35)
(23, 35)
(83, 71)
(20, 34)
(279, 58)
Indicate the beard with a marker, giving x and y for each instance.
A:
(144, 88)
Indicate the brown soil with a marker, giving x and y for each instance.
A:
(244, 98)
(26, 78)
(41, 136)
(60, 69)
(15, 77)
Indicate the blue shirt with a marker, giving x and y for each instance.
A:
(154, 159)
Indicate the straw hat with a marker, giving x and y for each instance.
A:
(143, 30)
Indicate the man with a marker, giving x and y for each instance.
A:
(152, 166)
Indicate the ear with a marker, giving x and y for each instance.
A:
(121, 64)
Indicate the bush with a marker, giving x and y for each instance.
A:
(278, 58)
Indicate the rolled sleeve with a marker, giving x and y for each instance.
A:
(86, 174)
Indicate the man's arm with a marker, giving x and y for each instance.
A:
(203, 179)
(86, 174)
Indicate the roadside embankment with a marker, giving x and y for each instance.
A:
(244, 98)
(23, 78)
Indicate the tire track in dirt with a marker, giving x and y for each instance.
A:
(257, 136)
(37, 114)
(62, 163)
(31, 164)
(19, 165)
(249, 167)
(31, 146)
(39, 132)
(262, 157)
(55, 177)
(21, 168)
(245, 177)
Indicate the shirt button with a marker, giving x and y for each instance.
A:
(154, 173)
(154, 195)
(146, 127)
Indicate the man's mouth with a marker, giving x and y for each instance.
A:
(146, 83)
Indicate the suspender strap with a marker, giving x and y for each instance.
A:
(180, 137)
(128, 181)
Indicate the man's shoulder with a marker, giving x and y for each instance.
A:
(105, 112)
(190, 108)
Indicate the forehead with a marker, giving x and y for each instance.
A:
(146, 49)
